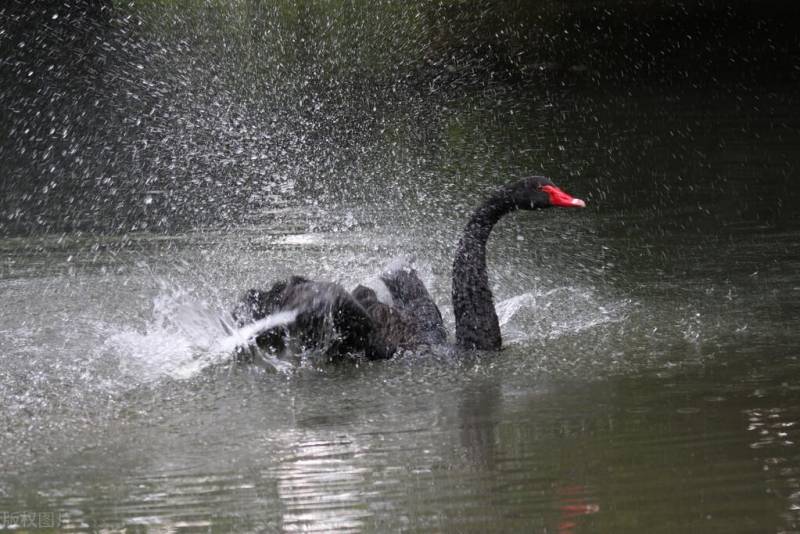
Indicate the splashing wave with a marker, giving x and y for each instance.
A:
(554, 313)
(187, 336)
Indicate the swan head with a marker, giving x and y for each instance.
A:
(537, 192)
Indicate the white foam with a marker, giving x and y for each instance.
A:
(246, 335)
(184, 337)
(555, 313)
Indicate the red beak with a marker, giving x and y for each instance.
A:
(561, 199)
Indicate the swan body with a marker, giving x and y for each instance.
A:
(328, 320)
(339, 323)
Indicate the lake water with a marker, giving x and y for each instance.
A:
(649, 380)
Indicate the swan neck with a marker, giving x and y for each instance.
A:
(477, 326)
(485, 217)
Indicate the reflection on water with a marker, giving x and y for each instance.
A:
(574, 502)
(321, 490)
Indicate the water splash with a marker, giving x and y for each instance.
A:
(554, 313)
(186, 336)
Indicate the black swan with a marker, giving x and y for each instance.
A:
(338, 323)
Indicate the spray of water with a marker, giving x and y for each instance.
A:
(186, 336)
(554, 313)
